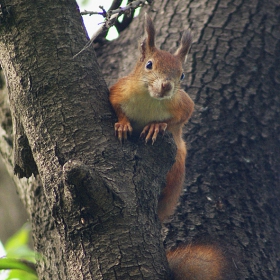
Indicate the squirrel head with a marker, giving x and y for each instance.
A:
(160, 70)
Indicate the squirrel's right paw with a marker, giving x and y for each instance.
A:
(152, 130)
(121, 130)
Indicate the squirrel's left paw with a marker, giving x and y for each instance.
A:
(121, 130)
(152, 130)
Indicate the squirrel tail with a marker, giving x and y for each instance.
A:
(197, 262)
(174, 183)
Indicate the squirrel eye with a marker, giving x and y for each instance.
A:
(149, 64)
(182, 76)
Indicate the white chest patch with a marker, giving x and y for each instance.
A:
(143, 109)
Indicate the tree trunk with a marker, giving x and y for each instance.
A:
(92, 203)
(232, 187)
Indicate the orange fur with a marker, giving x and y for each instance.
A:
(197, 262)
(174, 182)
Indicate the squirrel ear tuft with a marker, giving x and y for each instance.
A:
(185, 46)
(148, 44)
(150, 30)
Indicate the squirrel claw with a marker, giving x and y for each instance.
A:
(152, 130)
(121, 131)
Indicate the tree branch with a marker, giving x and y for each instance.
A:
(111, 19)
(107, 15)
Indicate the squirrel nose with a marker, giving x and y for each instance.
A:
(166, 86)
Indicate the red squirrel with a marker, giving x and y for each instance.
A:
(150, 100)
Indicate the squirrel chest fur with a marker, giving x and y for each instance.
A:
(142, 109)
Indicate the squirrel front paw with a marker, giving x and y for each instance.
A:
(152, 130)
(121, 130)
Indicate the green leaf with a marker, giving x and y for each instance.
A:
(20, 238)
(11, 263)
(17, 245)
(16, 274)
(22, 252)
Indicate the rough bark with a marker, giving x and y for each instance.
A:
(91, 201)
(232, 188)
